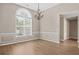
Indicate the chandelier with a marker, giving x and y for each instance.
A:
(39, 13)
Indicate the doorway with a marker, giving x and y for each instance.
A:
(73, 28)
(69, 29)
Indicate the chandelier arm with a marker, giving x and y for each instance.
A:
(39, 14)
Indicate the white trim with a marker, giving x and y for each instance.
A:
(50, 40)
(36, 34)
(78, 43)
(16, 42)
(62, 40)
(50, 36)
(17, 39)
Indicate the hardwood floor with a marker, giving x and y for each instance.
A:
(41, 47)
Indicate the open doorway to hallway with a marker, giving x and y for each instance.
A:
(73, 28)
(69, 30)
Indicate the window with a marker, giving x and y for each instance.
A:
(23, 22)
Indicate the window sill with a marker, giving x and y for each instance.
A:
(23, 35)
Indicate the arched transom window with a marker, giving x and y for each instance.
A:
(23, 22)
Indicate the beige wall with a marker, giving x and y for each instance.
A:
(8, 18)
(50, 24)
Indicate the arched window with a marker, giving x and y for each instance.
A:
(23, 22)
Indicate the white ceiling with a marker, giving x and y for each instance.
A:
(71, 14)
(34, 6)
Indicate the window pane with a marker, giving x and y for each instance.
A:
(23, 22)
(20, 30)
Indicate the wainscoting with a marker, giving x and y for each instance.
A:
(9, 38)
(50, 36)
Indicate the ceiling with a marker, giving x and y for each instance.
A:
(71, 14)
(42, 6)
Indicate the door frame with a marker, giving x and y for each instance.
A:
(62, 18)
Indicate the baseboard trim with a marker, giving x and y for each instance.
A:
(34, 36)
(50, 40)
(72, 37)
(63, 40)
(16, 42)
